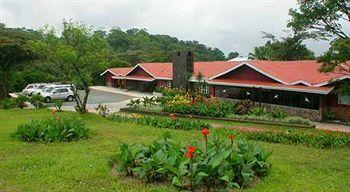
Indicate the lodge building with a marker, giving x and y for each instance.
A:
(296, 86)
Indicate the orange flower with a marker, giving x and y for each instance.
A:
(232, 137)
(205, 131)
(53, 112)
(190, 151)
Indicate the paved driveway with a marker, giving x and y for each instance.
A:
(96, 97)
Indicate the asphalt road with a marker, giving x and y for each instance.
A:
(96, 97)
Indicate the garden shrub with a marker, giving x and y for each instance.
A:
(328, 115)
(222, 163)
(20, 101)
(102, 110)
(54, 129)
(320, 139)
(58, 103)
(160, 122)
(243, 107)
(258, 111)
(297, 120)
(6, 103)
(278, 113)
(37, 101)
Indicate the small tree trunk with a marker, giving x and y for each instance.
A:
(86, 96)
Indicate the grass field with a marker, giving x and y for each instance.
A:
(83, 165)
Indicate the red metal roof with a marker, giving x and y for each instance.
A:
(288, 73)
(120, 71)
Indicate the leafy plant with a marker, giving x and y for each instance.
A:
(328, 115)
(102, 110)
(160, 122)
(223, 164)
(258, 111)
(20, 101)
(37, 101)
(243, 107)
(278, 113)
(54, 129)
(6, 103)
(58, 103)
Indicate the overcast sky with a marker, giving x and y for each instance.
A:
(228, 25)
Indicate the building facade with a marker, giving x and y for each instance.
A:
(296, 86)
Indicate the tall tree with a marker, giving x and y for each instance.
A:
(289, 48)
(79, 54)
(232, 55)
(13, 52)
(324, 19)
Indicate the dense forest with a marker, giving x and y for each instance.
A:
(20, 66)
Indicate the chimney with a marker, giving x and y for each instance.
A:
(182, 69)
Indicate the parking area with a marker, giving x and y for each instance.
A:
(97, 97)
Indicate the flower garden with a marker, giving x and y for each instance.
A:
(195, 104)
(63, 151)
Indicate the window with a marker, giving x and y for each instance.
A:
(343, 99)
(64, 90)
(168, 83)
(204, 88)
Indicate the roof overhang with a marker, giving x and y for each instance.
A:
(138, 65)
(332, 81)
(294, 89)
(108, 70)
(134, 78)
(252, 67)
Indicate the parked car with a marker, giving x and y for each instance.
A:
(58, 93)
(40, 88)
(29, 89)
(49, 87)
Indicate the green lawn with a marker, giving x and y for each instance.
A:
(83, 165)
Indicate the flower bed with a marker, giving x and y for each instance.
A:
(54, 129)
(222, 163)
(170, 122)
(291, 122)
(320, 139)
(197, 105)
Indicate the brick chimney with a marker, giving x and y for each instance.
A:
(182, 69)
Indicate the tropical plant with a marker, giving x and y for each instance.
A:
(222, 164)
(58, 103)
(20, 101)
(102, 110)
(243, 107)
(37, 101)
(53, 129)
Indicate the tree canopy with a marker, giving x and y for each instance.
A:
(289, 48)
(324, 19)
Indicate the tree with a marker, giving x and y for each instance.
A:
(289, 48)
(232, 55)
(324, 19)
(79, 55)
(13, 53)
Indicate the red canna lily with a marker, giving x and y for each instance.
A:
(205, 131)
(190, 152)
(232, 137)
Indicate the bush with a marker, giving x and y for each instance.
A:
(37, 101)
(52, 130)
(328, 115)
(20, 101)
(258, 111)
(320, 139)
(6, 103)
(58, 104)
(278, 113)
(221, 164)
(160, 122)
(297, 120)
(102, 110)
(210, 107)
(243, 107)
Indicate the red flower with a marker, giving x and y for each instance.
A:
(205, 131)
(232, 137)
(190, 152)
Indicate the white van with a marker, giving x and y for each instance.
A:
(29, 89)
